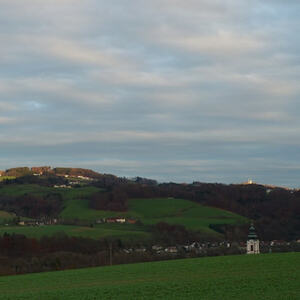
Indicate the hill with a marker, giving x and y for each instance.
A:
(274, 210)
(270, 276)
(150, 211)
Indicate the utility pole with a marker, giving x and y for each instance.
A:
(110, 254)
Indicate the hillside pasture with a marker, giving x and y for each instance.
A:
(6, 216)
(22, 189)
(125, 233)
(2, 178)
(247, 277)
(192, 215)
(150, 211)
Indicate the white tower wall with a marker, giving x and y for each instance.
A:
(253, 247)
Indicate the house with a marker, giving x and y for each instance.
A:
(116, 220)
(127, 251)
(84, 177)
(131, 221)
(277, 243)
(62, 186)
(157, 247)
(141, 249)
(120, 220)
(100, 221)
(31, 223)
(111, 220)
(172, 250)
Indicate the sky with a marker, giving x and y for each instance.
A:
(183, 91)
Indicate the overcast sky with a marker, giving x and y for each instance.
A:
(204, 90)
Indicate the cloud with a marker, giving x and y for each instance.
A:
(177, 90)
(4, 120)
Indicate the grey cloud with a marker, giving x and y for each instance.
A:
(175, 90)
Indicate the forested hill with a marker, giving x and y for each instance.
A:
(275, 210)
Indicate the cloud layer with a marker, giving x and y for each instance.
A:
(176, 90)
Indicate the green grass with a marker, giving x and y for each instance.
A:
(6, 216)
(21, 189)
(124, 233)
(150, 211)
(252, 277)
(178, 211)
(76, 204)
(75, 200)
(2, 178)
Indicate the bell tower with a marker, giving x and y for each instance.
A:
(252, 242)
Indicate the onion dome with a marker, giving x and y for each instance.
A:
(252, 233)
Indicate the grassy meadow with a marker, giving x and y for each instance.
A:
(152, 211)
(125, 234)
(2, 178)
(247, 277)
(149, 211)
(5, 216)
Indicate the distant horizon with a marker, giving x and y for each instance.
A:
(253, 181)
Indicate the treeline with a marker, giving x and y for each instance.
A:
(276, 211)
(43, 180)
(115, 200)
(20, 254)
(167, 234)
(32, 205)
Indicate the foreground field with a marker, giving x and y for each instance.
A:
(271, 276)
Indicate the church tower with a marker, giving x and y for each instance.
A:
(252, 242)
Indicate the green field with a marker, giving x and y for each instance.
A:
(149, 211)
(125, 233)
(21, 189)
(2, 178)
(5, 216)
(247, 277)
(178, 211)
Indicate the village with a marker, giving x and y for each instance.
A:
(195, 248)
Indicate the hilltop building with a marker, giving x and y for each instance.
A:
(253, 241)
(248, 182)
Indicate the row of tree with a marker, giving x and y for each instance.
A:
(32, 205)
